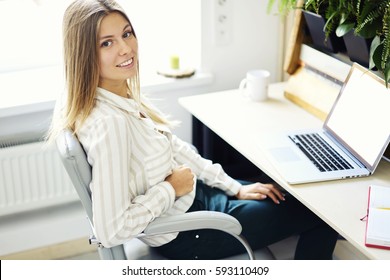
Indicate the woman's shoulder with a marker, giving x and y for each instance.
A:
(102, 117)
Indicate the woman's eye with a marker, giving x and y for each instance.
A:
(127, 34)
(106, 44)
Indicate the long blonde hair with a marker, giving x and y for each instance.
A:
(81, 25)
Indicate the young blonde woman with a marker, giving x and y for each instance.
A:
(141, 171)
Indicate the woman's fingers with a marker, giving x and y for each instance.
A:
(258, 191)
(272, 192)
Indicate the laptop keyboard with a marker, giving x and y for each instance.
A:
(322, 155)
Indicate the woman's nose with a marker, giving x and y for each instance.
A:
(124, 47)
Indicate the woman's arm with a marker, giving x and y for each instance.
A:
(211, 173)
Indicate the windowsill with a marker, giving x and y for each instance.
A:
(158, 83)
(36, 90)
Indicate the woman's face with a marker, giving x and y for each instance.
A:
(118, 49)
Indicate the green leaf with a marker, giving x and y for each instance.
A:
(370, 29)
(343, 29)
(343, 18)
(377, 57)
(374, 44)
(269, 6)
(386, 73)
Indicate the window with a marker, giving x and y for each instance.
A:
(165, 28)
(31, 35)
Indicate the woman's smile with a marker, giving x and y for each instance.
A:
(126, 64)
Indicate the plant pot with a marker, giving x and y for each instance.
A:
(315, 24)
(358, 48)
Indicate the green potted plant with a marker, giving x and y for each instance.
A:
(367, 19)
(342, 17)
(373, 22)
(316, 17)
(369, 22)
(314, 12)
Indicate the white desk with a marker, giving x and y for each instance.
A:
(241, 122)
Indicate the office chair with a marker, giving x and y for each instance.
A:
(75, 162)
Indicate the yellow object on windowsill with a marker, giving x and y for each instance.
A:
(174, 71)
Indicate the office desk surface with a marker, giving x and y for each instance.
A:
(241, 122)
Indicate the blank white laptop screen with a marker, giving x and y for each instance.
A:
(365, 126)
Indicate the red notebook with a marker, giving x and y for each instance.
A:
(378, 218)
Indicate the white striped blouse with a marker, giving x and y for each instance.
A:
(130, 157)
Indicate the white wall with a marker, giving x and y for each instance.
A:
(254, 44)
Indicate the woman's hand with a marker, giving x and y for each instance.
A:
(258, 191)
(182, 180)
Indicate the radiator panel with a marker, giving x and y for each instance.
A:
(32, 177)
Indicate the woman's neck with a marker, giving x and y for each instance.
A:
(120, 89)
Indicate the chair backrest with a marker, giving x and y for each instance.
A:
(76, 165)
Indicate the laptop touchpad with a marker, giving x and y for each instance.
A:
(284, 154)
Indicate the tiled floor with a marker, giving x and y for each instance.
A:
(86, 256)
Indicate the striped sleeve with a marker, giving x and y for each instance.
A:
(210, 173)
(119, 214)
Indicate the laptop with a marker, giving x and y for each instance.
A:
(351, 141)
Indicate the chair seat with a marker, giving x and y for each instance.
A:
(284, 249)
(137, 250)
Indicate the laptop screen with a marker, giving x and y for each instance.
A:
(360, 117)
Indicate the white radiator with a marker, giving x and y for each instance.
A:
(32, 177)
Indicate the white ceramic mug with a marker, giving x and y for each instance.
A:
(255, 85)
